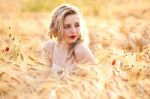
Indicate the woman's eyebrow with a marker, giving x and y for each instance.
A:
(77, 22)
(70, 23)
(67, 24)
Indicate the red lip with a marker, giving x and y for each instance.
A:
(72, 37)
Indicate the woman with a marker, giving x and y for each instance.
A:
(67, 46)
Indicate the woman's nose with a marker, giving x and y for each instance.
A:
(73, 30)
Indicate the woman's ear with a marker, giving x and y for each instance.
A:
(55, 34)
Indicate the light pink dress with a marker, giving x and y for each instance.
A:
(60, 64)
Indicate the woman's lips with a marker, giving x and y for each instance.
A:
(73, 36)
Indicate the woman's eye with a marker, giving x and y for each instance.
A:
(77, 25)
(66, 27)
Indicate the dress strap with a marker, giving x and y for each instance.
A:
(54, 52)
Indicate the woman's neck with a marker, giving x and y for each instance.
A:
(64, 44)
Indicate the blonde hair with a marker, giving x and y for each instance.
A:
(56, 24)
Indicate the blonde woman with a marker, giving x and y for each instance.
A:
(67, 46)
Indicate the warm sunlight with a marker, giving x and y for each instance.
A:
(119, 33)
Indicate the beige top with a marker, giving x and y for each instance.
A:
(60, 64)
(56, 56)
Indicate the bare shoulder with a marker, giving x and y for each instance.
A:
(83, 54)
(81, 48)
(48, 45)
(47, 51)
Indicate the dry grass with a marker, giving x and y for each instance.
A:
(120, 40)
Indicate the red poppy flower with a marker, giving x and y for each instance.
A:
(114, 62)
(7, 49)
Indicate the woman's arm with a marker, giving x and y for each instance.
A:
(84, 55)
(47, 50)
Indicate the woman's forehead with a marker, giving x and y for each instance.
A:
(73, 18)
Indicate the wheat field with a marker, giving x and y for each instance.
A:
(119, 32)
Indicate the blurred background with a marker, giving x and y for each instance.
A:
(119, 32)
(106, 19)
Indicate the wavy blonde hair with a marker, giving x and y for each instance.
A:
(56, 25)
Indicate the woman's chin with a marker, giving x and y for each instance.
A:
(72, 41)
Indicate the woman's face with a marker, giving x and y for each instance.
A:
(71, 28)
